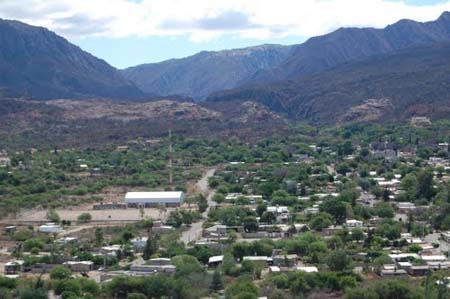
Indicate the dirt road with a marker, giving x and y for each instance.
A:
(195, 231)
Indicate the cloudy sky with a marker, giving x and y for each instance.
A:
(130, 32)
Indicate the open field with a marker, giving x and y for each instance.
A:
(97, 215)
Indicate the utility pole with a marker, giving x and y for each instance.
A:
(170, 157)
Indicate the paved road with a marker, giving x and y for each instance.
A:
(195, 231)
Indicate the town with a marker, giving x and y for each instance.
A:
(317, 214)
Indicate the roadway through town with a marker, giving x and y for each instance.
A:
(194, 232)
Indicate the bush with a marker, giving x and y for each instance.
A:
(60, 273)
(84, 218)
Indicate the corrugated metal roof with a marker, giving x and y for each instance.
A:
(156, 195)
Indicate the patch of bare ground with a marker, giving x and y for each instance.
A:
(95, 109)
(370, 110)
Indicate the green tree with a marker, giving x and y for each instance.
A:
(32, 293)
(250, 224)
(425, 184)
(384, 210)
(228, 264)
(320, 221)
(339, 261)
(186, 265)
(151, 247)
(99, 236)
(60, 273)
(337, 209)
(84, 218)
(53, 216)
(5, 293)
(243, 288)
(202, 203)
(217, 282)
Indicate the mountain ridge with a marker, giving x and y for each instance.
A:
(207, 71)
(408, 82)
(37, 62)
(186, 76)
(348, 44)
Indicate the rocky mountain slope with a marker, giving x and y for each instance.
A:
(198, 75)
(36, 62)
(207, 72)
(392, 86)
(350, 44)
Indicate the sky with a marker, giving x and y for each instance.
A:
(131, 32)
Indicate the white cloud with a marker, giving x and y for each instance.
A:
(206, 19)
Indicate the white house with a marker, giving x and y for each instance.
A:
(352, 223)
(50, 228)
(307, 269)
(152, 199)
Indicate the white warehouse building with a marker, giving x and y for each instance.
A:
(153, 199)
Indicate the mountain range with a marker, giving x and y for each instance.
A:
(199, 75)
(36, 62)
(350, 74)
(389, 87)
(206, 72)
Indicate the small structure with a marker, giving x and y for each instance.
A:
(111, 250)
(154, 199)
(167, 269)
(307, 269)
(289, 260)
(10, 229)
(161, 261)
(83, 266)
(50, 228)
(263, 260)
(67, 240)
(139, 243)
(14, 267)
(352, 223)
(214, 261)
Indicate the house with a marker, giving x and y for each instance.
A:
(111, 250)
(281, 213)
(406, 207)
(352, 223)
(265, 260)
(67, 240)
(289, 260)
(14, 267)
(443, 146)
(446, 236)
(433, 258)
(392, 270)
(5, 161)
(278, 210)
(77, 266)
(274, 269)
(154, 199)
(161, 261)
(404, 257)
(10, 229)
(50, 228)
(307, 269)
(214, 261)
(139, 243)
(167, 269)
(311, 211)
